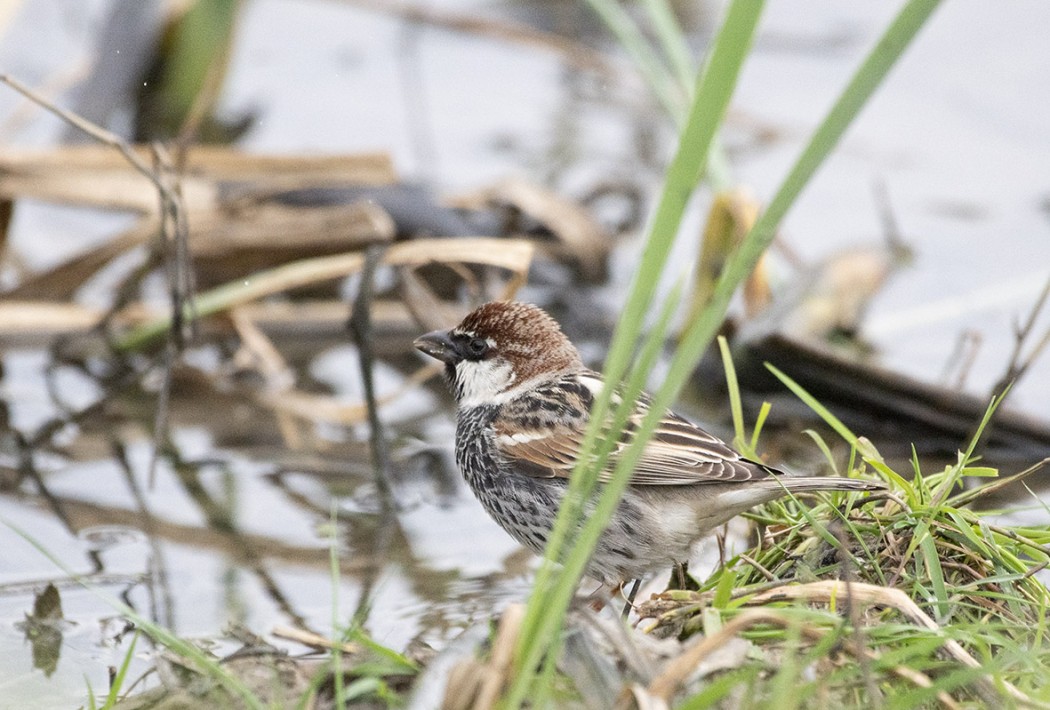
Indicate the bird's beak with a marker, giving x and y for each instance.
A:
(438, 345)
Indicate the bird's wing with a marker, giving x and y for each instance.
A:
(539, 435)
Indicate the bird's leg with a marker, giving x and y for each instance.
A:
(630, 597)
(681, 570)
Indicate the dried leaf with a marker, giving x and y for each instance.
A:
(510, 254)
(582, 238)
(25, 318)
(100, 176)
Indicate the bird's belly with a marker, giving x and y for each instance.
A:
(525, 508)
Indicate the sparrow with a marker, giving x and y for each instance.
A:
(524, 399)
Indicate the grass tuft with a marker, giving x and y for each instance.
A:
(904, 601)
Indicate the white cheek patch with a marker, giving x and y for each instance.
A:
(483, 381)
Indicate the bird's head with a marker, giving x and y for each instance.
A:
(499, 350)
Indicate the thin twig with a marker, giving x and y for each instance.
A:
(961, 360)
(891, 229)
(967, 497)
(309, 638)
(27, 469)
(97, 132)
(360, 325)
(160, 417)
(629, 601)
(1017, 367)
(165, 613)
(174, 231)
(761, 569)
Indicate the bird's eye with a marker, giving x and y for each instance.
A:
(478, 346)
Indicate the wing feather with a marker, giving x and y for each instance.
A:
(680, 453)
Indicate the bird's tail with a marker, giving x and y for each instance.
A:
(824, 483)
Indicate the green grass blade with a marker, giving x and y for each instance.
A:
(860, 88)
(810, 401)
(561, 587)
(989, 412)
(867, 78)
(724, 590)
(393, 662)
(672, 40)
(862, 85)
(360, 688)
(760, 421)
(721, 687)
(933, 568)
(121, 676)
(843, 431)
(91, 695)
(547, 604)
(824, 449)
(735, 406)
(711, 100)
(650, 66)
(546, 608)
